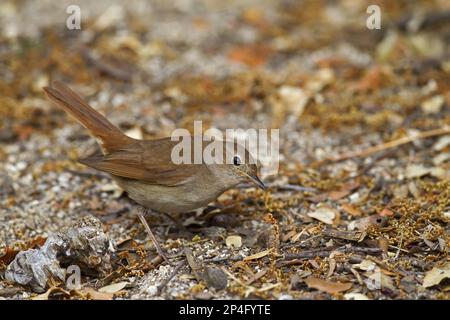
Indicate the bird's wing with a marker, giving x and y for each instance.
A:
(148, 161)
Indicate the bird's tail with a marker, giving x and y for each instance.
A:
(110, 137)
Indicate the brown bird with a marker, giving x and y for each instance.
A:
(144, 168)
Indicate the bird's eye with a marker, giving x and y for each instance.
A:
(236, 161)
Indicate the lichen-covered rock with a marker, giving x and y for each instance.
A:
(83, 244)
(87, 245)
(35, 267)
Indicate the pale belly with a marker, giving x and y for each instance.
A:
(170, 199)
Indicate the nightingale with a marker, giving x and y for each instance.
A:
(145, 170)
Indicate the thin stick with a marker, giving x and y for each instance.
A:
(152, 236)
(325, 252)
(399, 246)
(390, 144)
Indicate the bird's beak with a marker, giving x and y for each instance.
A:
(257, 182)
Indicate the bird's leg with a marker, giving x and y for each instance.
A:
(175, 221)
(152, 236)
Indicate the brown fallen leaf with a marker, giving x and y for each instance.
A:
(436, 275)
(258, 255)
(326, 215)
(383, 244)
(416, 171)
(8, 256)
(338, 194)
(327, 286)
(351, 210)
(97, 295)
(386, 212)
(363, 223)
(10, 253)
(378, 280)
(113, 288)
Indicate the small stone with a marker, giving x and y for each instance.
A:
(215, 278)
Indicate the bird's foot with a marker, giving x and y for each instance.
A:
(158, 248)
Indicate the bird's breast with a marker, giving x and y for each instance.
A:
(172, 199)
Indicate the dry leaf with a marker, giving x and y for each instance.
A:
(378, 280)
(327, 286)
(351, 210)
(338, 194)
(8, 256)
(10, 253)
(363, 223)
(441, 158)
(97, 295)
(442, 143)
(331, 267)
(324, 214)
(386, 212)
(258, 255)
(366, 265)
(436, 275)
(416, 171)
(440, 173)
(113, 288)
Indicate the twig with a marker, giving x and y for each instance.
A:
(325, 252)
(218, 260)
(390, 144)
(399, 246)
